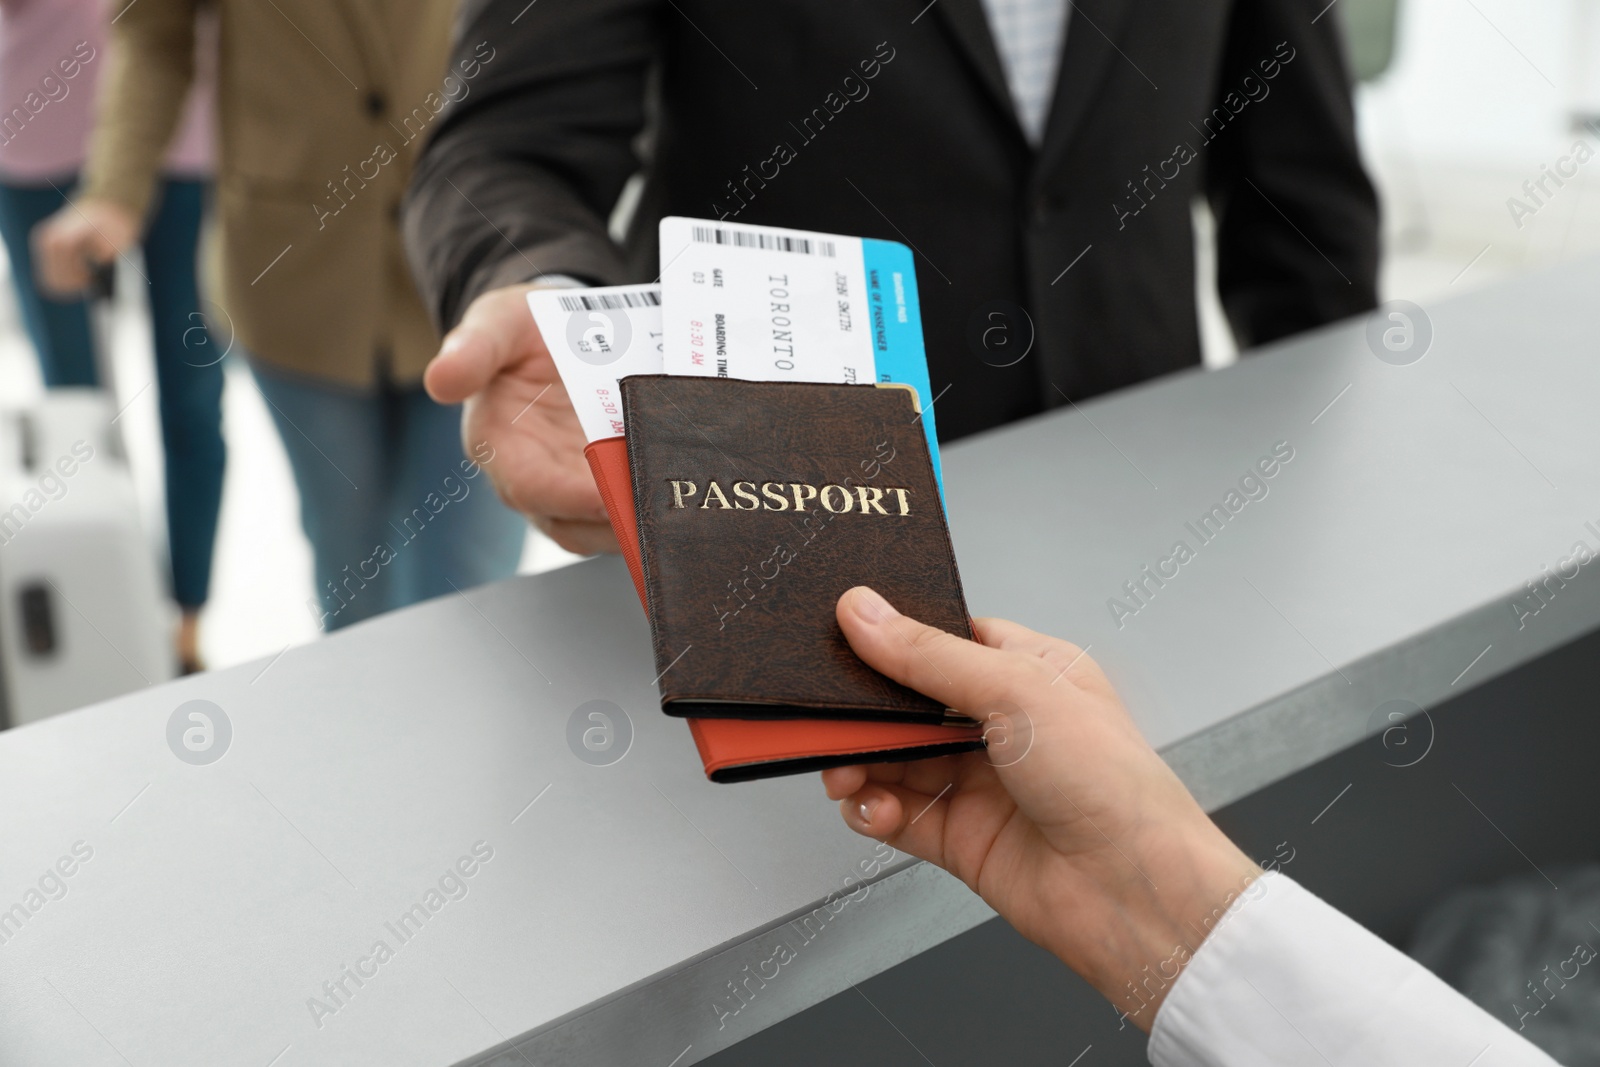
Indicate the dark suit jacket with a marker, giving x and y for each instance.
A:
(892, 119)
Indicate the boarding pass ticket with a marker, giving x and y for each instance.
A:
(597, 337)
(772, 304)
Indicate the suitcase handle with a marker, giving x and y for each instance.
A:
(28, 441)
(102, 280)
(38, 619)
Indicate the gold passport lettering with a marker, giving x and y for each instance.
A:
(776, 496)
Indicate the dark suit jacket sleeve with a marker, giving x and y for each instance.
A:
(1297, 217)
(522, 172)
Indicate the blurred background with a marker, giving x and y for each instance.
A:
(1460, 103)
(1479, 121)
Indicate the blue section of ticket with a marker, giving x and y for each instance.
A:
(897, 345)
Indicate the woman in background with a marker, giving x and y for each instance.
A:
(51, 54)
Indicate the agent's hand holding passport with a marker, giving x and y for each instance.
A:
(759, 431)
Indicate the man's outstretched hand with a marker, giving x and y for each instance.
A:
(1069, 825)
(496, 363)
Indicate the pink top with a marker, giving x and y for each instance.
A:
(51, 54)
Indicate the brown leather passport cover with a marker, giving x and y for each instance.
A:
(739, 750)
(758, 504)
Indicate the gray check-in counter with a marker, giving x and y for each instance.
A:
(409, 852)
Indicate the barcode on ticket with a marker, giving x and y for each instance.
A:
(610, 301)
(771, 242)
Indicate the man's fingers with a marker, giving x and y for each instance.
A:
(904, 818)
(960, 673)
(1066, 660)
(539, 473)
(1012, 636)
(554, 496)
(497, 331)
(80, 234)
(467, 361)
(99, 249)
(840, 782)
(579, 536)
(60, 258)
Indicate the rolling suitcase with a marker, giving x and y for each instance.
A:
(82, 614)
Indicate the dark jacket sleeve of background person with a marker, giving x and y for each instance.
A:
(893, 120)
(1297, 220)
(521, 176)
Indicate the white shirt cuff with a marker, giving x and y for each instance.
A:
(1286, 978)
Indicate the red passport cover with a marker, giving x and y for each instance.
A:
(735, 750)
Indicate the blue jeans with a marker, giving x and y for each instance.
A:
(395, 511)
(188, 375)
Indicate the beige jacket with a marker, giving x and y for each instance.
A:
(321, 107)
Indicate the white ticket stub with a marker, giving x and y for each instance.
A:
(772, 304)
(765, 304)
(597, 337)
